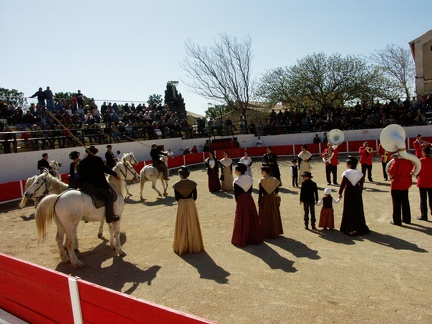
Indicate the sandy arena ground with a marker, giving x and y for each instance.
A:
(301, 277)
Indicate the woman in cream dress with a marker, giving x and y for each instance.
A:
(304, 159)
(226, 173)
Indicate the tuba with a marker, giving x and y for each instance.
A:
(335, 137)
(392, 139)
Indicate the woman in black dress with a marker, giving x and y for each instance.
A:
(271, 159)
(353, 218)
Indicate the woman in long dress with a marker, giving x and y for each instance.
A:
(247, 228)
(268, 201)
(271, 159)
(226, 173)
(304, 159)
(187, 235)
(247, 161)
(353, 218)
(212, 166)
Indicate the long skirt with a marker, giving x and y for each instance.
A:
(269, 215)
(187, 235)
(326, 218)
(227, 182)
(247, 228)
(304, 166)
(213, 179)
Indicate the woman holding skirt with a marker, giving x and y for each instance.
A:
(187, 235)
(268, 201)
(247, 228)
(226, 173)
(212, 166)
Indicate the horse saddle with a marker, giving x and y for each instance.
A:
(97, 199)
(158, 166)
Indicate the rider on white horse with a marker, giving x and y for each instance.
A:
(92, 171)
(44, 164)
(155, 154)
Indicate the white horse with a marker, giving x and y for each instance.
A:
(130, 158)
(55, 166)
(72, 206)
(151, 173)
(41, 185)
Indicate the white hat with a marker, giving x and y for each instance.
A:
(327, 191)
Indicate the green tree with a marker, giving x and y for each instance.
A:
(174, 99)
(154, 99)
(66, 97)
(13, 96)
(321, 81)
(217, 111)
(221, 72)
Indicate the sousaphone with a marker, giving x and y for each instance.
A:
(334, 137)
(392, 139)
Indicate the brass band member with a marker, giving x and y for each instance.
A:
(418, 145)
(330, 155)
(424, 183)
(366, 154)
(385, 157)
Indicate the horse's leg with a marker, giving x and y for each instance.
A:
(115, 239)
(165, 187)
(142, 185)
(100, 233)
(60, 239)
(154, 187)
(71, 234)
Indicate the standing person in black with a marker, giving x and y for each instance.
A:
(40, 96)
(73, 177)
(110, 158)
(44, 164)
(91, 172)
(155, 154)
(308, 198)
(271, 159)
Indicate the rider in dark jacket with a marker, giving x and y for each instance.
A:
(92, 171)
(155, 154)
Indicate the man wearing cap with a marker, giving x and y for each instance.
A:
(155, 154)
(111, 160)
(43, 163)
(418, 145)
(91, 172)
(308, 198)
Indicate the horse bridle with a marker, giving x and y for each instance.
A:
(47, 188)
(131, 170)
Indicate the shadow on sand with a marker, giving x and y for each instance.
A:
(119, 275)
(207, 268)
(270, 256)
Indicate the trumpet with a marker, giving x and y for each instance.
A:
(369, 149)
(426, 143)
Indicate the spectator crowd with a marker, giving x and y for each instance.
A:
(113, 123)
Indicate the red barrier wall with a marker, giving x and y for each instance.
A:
(12, 190)
(39, 295)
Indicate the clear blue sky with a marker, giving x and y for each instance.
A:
(128, 50)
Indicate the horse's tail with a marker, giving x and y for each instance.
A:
(44, 215)
(23, 201)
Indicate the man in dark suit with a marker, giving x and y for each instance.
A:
(43, 163)
(155, 154)
(110, 158)
(92, 175)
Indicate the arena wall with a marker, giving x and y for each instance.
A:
(39, 295)
(17, 167)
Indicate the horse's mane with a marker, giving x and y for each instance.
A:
(57, 184)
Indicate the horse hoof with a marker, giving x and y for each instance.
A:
(122, 253)
(165, 194)
(80, 265)
(99, 235)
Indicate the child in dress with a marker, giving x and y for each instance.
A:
(327, 215)
(294, 173)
